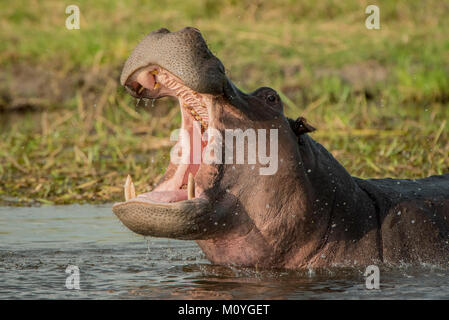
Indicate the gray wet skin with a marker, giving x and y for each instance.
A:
(184, 54)
(310, 213)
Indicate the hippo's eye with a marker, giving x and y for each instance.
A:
(271, 98)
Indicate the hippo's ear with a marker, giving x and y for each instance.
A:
(300, 126)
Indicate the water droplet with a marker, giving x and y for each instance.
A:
(148, 248)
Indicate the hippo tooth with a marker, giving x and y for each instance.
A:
(190, 187)
(156, 85)
(154, 72)
(130, 191)
(140, 90)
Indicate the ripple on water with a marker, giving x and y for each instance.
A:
(37, 244)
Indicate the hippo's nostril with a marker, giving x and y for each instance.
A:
(162, 30)
(191, 29)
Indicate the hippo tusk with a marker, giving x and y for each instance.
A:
(130, 191)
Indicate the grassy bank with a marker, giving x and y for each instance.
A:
(69, 133)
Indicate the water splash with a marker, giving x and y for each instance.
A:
(147, 256)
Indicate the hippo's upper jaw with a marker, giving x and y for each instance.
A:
(184, 53)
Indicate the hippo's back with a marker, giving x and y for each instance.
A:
(436, 187)
(413, 218)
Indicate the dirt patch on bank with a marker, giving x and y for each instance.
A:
(25, 87)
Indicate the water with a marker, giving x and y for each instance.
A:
(37, 245)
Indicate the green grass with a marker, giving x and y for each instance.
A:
(379, 98)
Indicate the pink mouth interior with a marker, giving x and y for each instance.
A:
(174, 189)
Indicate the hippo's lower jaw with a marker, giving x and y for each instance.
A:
(186, 219)
(171, 209)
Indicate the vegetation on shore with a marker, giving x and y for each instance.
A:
(69, 133)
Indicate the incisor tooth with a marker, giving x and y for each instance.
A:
(190, 187)
(154, 72)
(156, 85)
(140, 90)
(130, 191)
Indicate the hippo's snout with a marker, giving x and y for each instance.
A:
(183, 53)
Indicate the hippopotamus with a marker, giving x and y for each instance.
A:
(307, 212)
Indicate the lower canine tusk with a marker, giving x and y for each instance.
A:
(190, 187)
(130, 191)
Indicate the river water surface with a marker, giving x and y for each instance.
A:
(37, 245)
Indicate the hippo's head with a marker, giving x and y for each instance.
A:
(232, 202)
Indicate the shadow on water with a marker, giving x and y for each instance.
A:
(37, 245)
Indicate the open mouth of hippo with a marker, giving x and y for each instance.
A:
(200, 195)
(155, 82)
(177, 207)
